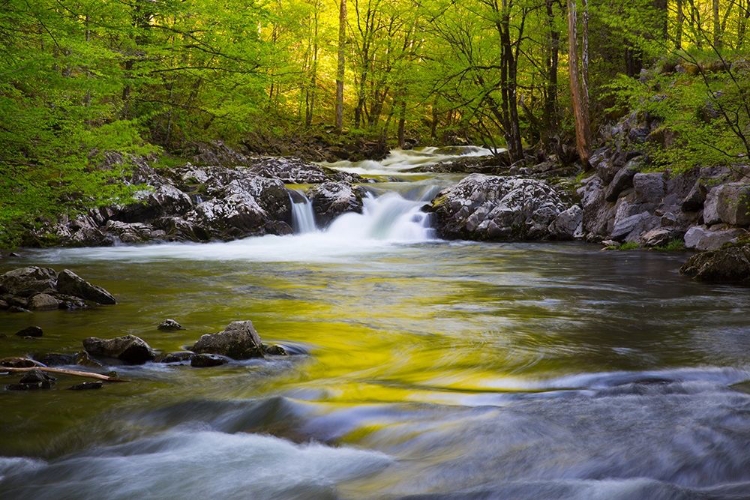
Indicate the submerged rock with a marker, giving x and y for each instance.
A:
(17, 362)
(482, 207)
(207, 360)
(238, 341)
(128, 349)
(86, 386)
(177, 357)
(30, 331)
(56, 359)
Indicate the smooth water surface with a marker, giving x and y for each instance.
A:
(430, 369)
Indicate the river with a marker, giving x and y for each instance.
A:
(426, 369)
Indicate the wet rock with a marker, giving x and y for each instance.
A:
(31, 331)
(482, 207)
(169, 325)
(178, 357)
(703, 238)
(86, 386)
(235, 216)
(82, 231)
(568, 225)
(16, 362)
(44, 302)
(18, 309)
(56, 359)
(275, 350)
(207, 360)
(71, 303)
(70, 283)
(331, 199)
(128, 349)
(4, 305)
(730, 264)
(238, 341)
(598, 214)
(28, 281)
(83, 359)
(33, 380)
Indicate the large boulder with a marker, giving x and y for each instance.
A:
(331, 199)
(730, 264)
(623, 179)
(482, 207)
(733, 203)
(238, 341)
(129, 349)
(70, 283)
(160, 201)
(598, 214)
(649, 188)
(28, 281)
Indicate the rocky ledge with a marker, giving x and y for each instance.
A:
(40, 288)
(729, 264)
(203, 203)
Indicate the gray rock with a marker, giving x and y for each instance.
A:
(726, 265)
(18, 362)
(331, 199)
(288, 170)
(207, 360)
(135, 232)
(733, 203)
(711, 207)
(70, 283)
(695, 198)
(630, 228)
(657, 237)
(649, 188)
(703, 238)
(160, 201)
(275, 350)
(128, 349)
(238, 341)
(622, 180)
(30, 331)
(482, 207)
(83, 359)
(28, 281)
(568, 224)
(598, 214)
(44, 302)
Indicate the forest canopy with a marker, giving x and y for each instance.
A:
(80, 78)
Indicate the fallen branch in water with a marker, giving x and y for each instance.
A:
(63, 371)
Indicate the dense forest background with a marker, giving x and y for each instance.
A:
(80, 78)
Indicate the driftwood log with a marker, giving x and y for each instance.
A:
(63, 371)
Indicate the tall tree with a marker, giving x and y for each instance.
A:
(578, 82)
(341, 66)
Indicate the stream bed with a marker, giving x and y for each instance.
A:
(430, 369)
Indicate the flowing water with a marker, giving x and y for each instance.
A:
(427, 369)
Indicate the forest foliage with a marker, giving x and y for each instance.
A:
(79, 78)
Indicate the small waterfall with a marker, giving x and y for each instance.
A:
(388, 217)
(303, 219)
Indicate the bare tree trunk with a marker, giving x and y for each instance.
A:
(550, 87)
(680, 25)
(717, 24)
(577, 88)
(341, 67)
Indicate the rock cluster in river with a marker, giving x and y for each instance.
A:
(202, 203)
(41, 288)
(494, 208)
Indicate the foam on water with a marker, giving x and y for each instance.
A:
(197, 464)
